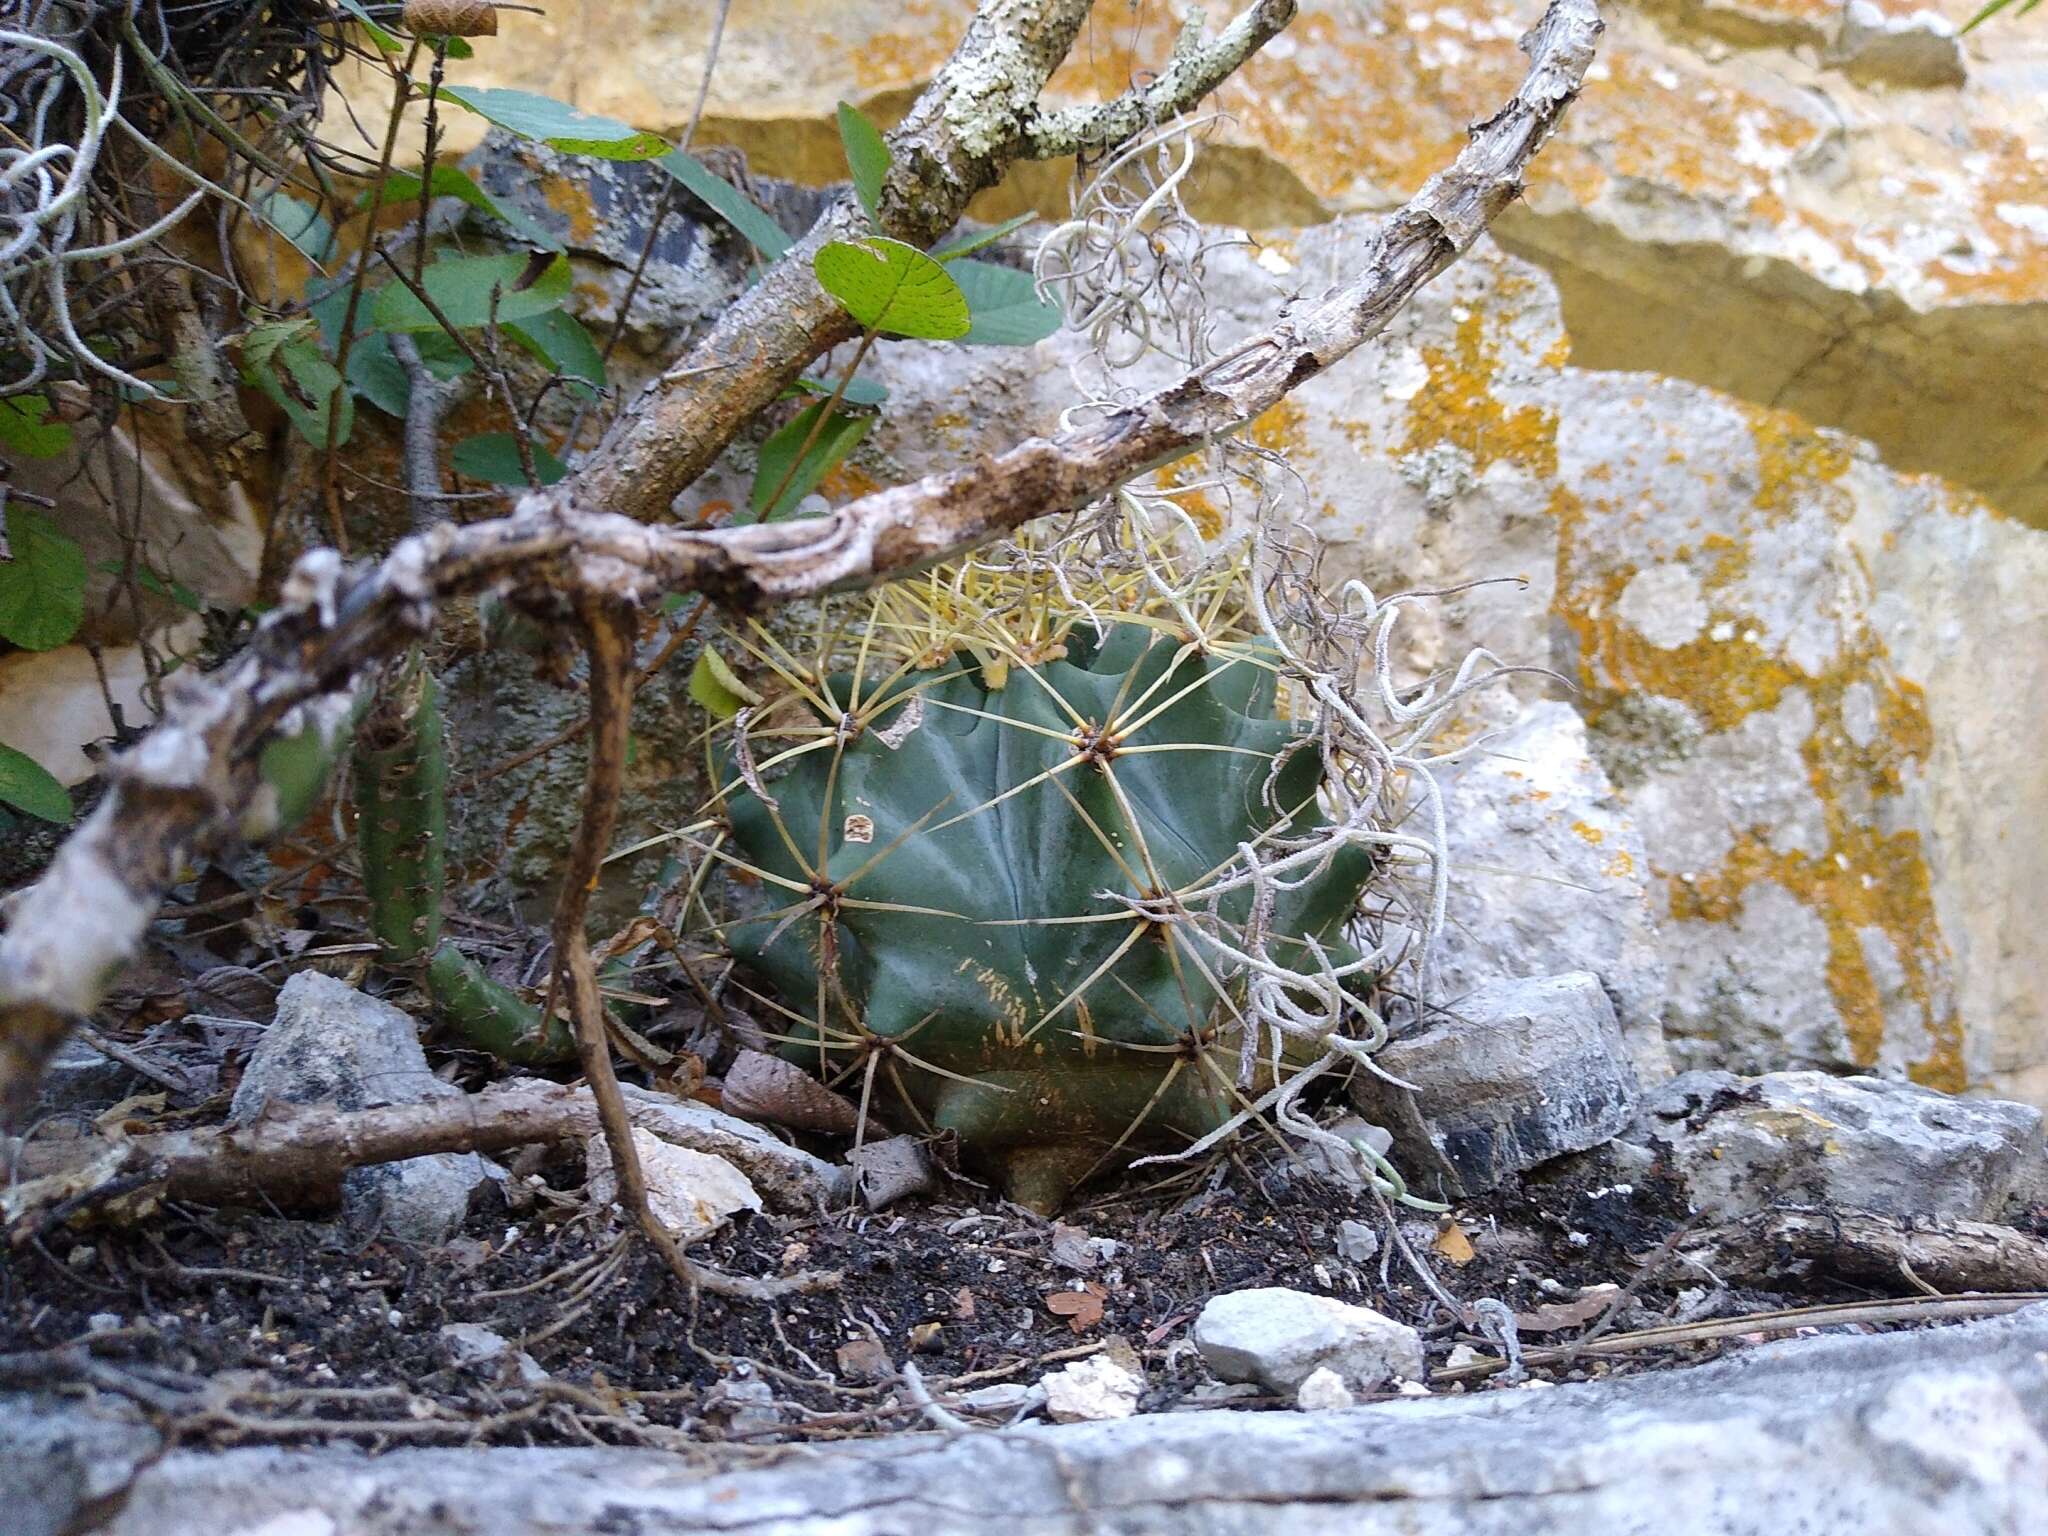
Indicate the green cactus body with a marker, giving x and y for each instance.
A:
(948, 927)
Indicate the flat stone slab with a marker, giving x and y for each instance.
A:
(1939, 1431)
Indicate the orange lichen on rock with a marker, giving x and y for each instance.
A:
(1458, 405)
(1867, 876)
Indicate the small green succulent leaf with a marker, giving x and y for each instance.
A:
(28, 786)
(493, 457)
(714, 684)
(728, 202)
(892, 287)
(300, 223)
(557, 124)
(42, 582)
(463, 286)
(1005, 304)
(381, 36)
(839, 437)
(558, 339)
(453, 181)
(867, 157)
(26, 430)
(953, 250)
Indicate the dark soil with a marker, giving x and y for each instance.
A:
(240, 1325)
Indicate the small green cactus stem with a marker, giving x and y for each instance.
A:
(493, 1016)
(988, 895)
(401, 802)
(401, 796)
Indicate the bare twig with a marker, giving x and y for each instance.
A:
(196, 783)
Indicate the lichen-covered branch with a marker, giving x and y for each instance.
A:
(197, 782)
(979, 115)
(1197, 67)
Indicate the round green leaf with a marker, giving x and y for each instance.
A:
(889, 286)
(42, 582)
(28, 786)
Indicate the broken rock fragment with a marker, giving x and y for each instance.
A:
(690, 1193)
(1510, 1076)
(1280, 1338)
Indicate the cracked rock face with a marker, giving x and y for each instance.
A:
(1832, 208)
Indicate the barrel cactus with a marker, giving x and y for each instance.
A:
(1005, 894)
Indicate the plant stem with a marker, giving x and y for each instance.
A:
(818, 426)
(401, 92)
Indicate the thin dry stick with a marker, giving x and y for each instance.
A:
(608, 631)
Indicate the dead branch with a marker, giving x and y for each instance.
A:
(978, 116)
(295, 1155)
(195, 783)
(1863, 1246)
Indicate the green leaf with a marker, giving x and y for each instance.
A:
(300, 223)
(27, 785)
(452, 47)
(717, 687)
(454, 181)
(173, 591)
(462, 285)
(889, 286)
(867, 156)
(379, 377)
(858, 391)
(556, 123)
(954, 249)
(260, 342)
(42, 583)
(294, 372)
(728, 202)
(378, 35)
(1007, 309)
(493, 457)
(840, 436)
(1994, 8)
(558, 339)
(27, 431)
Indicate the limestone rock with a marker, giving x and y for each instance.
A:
(691, 1193)
(789, 1178)
(1804, 1137)
(1932, 1430)
(1089, 1390)
(1279, 1338)
(1549, 874)
(1834, 208)
(1507, 1077)
(60, 1457)
(330, 1044)
(1322, 1390)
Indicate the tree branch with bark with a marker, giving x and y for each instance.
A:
(197, 782)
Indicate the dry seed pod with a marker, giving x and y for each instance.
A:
(451, 18)
(761, 1087)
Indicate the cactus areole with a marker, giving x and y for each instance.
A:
(984, 899)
